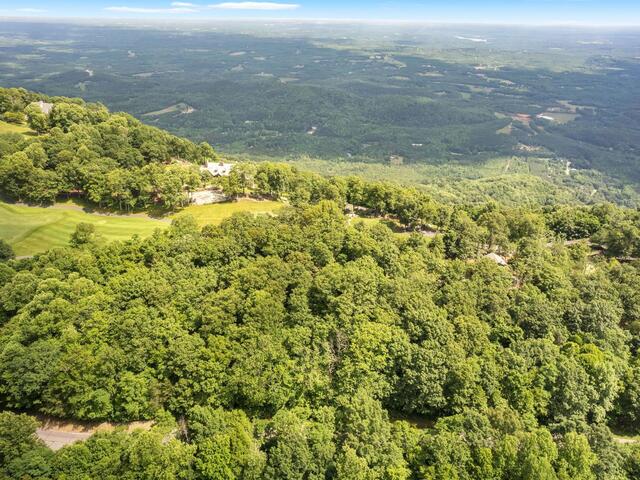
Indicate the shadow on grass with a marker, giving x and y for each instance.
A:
(72, 202)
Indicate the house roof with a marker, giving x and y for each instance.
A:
(499, 259)
(44, 107)
(218, 169)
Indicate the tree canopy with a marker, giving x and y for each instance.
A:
(314, 345)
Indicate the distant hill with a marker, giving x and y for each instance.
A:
(367, 94)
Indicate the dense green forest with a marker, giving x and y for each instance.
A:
(110, 159)
(426, 95)
(315, 345)
(114, 161)
(286, 345)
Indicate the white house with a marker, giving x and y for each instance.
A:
(218, 169)
(44, 107)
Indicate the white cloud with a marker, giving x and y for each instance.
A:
(255, 6)
(150, 10)
(188, 7)
(30, 10)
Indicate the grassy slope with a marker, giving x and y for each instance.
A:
(214, 214)
(35, 229)
(12, 128)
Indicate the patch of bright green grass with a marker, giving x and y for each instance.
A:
(13, 128)
(215, 213)
(395, 226)
(31, 230)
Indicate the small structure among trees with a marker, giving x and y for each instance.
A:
(218, 169)
(44, 106)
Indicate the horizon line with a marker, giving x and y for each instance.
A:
(303, 20)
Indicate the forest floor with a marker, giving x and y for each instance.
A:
(30, 230)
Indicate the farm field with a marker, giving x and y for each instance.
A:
(30, 230)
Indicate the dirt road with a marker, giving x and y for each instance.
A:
(56, 439)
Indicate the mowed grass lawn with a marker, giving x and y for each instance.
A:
(215, 213)
(12, 128)
(31, 230)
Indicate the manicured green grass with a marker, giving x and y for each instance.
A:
(13, 128)
(368, 221)
(31, 230)
(215, 213)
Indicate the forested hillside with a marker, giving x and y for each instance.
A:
(367, 331)
(423, 95)
(287, 344)
(81, 149)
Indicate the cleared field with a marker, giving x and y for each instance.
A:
(31, 230)
(178, 107)
(215, 213)
(395, 226)
(13, 128)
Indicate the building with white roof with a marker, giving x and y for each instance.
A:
(218, 169)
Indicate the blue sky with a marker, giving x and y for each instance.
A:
(612, 12)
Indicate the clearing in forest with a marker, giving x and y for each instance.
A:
(182, 108)
(13, 128)
(30, 230)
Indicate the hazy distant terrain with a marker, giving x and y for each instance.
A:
(389, 94)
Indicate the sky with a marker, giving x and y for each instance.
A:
(587, 12)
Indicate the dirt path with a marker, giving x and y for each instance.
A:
(57, 433)
(56, 439)
(625, 440)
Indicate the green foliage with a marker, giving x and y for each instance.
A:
(36, 119)
(14, 117)
(425, 96)
(285, 344)
(83, 234)
(286, 341)
(22, 455)
(6, 252)
(111, 159)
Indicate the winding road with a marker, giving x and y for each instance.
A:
(56, 439)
